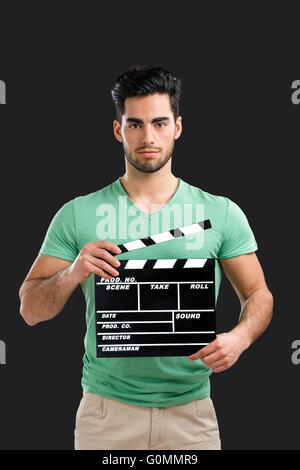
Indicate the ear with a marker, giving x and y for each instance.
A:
(117, 130)
(178, 127)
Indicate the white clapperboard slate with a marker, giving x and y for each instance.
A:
(156, 307)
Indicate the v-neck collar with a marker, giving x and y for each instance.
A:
(143, 213)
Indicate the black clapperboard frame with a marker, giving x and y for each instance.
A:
(156, 307)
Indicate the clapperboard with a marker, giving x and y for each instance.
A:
(156, 307)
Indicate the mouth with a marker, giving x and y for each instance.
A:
(149, 153)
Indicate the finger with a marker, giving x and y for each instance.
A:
(221, 368)
(108, 246)
(196, 355)
(214, 364)
(99, 271)
(212, 358)
(101, 264)
(209, 349)
(101, 253)
(212, 347)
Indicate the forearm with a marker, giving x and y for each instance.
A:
(43, 299)
(256, 314)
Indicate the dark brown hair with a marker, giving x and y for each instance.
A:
(144, 80)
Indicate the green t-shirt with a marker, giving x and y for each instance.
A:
(109, 214)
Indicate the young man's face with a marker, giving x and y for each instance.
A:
(148, 124)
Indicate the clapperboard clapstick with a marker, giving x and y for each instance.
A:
(156, 307)
(165, 236)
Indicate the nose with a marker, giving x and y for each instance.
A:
(148, 138)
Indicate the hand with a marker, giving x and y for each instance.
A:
(223, 352)
(94, 258)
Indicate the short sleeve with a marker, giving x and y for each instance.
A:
(238, 238)
(60, 240)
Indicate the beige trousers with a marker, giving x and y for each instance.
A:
(104, 423)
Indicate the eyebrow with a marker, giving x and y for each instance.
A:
(140, 121)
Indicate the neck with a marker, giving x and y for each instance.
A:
(149, 186)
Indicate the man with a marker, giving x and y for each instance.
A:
(156, 402)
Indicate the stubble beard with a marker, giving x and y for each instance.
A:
(148, 165)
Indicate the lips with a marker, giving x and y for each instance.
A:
(148, 153)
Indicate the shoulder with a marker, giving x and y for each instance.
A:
(95, 196)
(215, 201)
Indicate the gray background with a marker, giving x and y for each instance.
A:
(240, 139)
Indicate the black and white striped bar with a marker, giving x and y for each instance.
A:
(165, 236)
(158, 307)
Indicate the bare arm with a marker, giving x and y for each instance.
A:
(247, 278)
(45, 289)
(51, 280)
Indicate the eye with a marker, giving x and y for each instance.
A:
(130, 125)
(135, 125)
